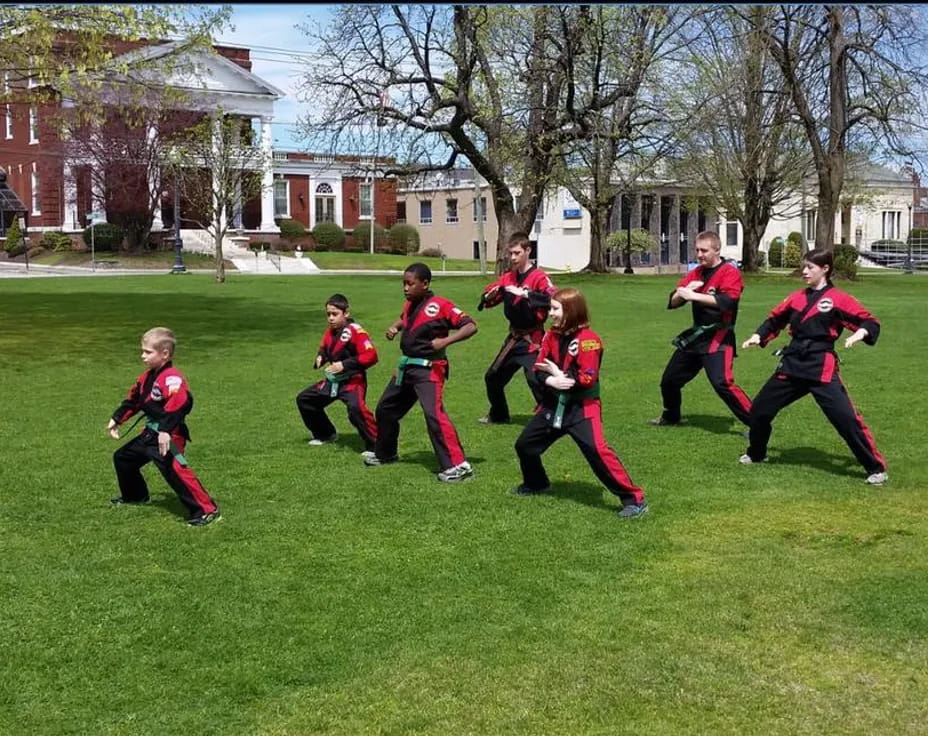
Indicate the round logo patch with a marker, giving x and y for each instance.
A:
(825, 305)
(156, 392)
(345, 336)
(574, 347)
(432, 309)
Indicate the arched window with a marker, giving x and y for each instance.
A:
(325, 203)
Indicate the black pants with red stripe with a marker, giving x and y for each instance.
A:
(683, 368)
(780, 391)
(135, 454)
(425, 385)
(312, 403)
(496, 379)
(587, 431)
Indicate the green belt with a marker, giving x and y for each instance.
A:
(565, 397)
(178, 455)
(406, 360)
(692, 335)
(335, 379)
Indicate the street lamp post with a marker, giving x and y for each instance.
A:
(178, 243)
(907, 266)
(628, 247)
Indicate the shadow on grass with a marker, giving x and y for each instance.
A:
(169, 505)
(816, 458)
(715, 423)
(428, 460)
(589, 494)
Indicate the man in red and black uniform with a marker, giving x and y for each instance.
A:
(816, 316)
(421, 374)
(345, 354)
(714, 289)
(525, 292)
(162, 394)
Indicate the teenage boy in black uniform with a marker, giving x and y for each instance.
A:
(421, 374)
(525, 292)
(713, 288)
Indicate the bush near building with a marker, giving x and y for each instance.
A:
(846, 261)
(291, 229)
(361, 239)
(404, 239)
(775, 252)
(793, 253)
(104, 236)
(328, 236)
(56, 241)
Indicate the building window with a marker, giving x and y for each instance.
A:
(364, 201)
(451, 211)
(400, 212)
(483, 209)
(325, 203)
(33, 125)
(891, 220)
(731, 233)
(808, 225)
(281, 198)
(425, 212)
(476, 250)
(36, 202)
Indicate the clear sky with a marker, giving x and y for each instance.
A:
(278, 51)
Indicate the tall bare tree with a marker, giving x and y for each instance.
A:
(740, 145)
(849, 70)
(627, 44)
(217, 165)
(494, 84)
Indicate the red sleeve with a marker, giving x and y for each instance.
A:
(853, 316)
(588, 359)
(367, 353)
(776, 320)
(455, 316)
(132, 403)
(174, 389)
(497, 298)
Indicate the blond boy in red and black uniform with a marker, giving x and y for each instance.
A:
(161, 393)
(568, 366)
(423, 369)
(345, 354)
(714, 289)
(815, 316)
(525, 293)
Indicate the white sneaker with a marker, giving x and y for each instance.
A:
(745, 460)
(457, 473)
(878, 479)
(316, 443)
(368, 453)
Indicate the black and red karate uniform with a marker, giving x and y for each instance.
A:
(576, 412)
(809, 365)
(421, 377)
(526, 314)
(165, 399)
(709, 344)
(352, 347)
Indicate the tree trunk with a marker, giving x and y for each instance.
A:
(220, 263)
(828, 205)
(599, 223)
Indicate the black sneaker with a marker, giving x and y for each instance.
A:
(632, 510)
(523, 490)
(661, 422)
(204, 519)
(120, 501)
(374, 460)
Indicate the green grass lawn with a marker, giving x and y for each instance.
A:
(388, 262)
(783, 598)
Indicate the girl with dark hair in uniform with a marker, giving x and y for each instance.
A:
(816, 316)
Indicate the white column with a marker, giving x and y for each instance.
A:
(217, 185)
(237, 194)
(154, 181)
(71, 221)
(267, 179)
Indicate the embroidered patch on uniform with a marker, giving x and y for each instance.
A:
(360, 330)
(457, 311)
(156, 392)
(825, 305)
(368, 345)
(432, 309)
(345, 336)
(574, 347)
(173, 383)
(588, 346)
